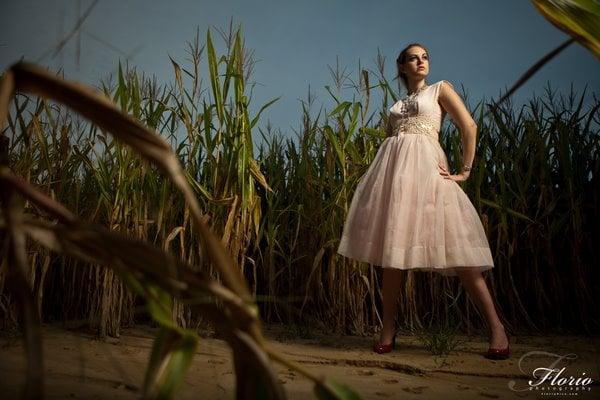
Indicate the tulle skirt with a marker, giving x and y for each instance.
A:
(405, 215)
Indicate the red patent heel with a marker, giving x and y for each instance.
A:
(381, 348)
(499, 354)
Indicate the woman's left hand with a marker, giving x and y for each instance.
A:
(457, 177)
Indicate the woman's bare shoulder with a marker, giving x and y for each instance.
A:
(442, 81)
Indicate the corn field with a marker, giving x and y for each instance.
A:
(279, 211)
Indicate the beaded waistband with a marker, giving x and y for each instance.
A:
(417, 124)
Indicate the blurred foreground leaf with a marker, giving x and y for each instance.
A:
(172, 353)
(579, 19)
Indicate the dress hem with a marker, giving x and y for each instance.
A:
(446, 269)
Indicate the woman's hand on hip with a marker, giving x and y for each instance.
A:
(456, 177)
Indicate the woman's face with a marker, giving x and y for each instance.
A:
(416, 63)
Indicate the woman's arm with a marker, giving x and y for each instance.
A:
(454, 106)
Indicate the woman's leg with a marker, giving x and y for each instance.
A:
(392, 283)
(477, 289)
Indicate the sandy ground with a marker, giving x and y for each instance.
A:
(80, 366)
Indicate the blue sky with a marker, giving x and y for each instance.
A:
(483, 45)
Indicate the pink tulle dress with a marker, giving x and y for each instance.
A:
(404, 214)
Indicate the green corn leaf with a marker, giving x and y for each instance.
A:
(578, 18)
(214, 76)
(122, 90)
(159, 305)
(341, 108)
(171, 355)
(336, 144)
(255, 119)
(354, 119)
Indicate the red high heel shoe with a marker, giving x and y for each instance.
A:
(381, 348)
(499, 354)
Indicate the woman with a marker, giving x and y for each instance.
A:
(408, 211)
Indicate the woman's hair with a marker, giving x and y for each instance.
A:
(400, 60)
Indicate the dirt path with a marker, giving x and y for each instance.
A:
(78, 366)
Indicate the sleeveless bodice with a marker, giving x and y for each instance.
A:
(420, 114)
